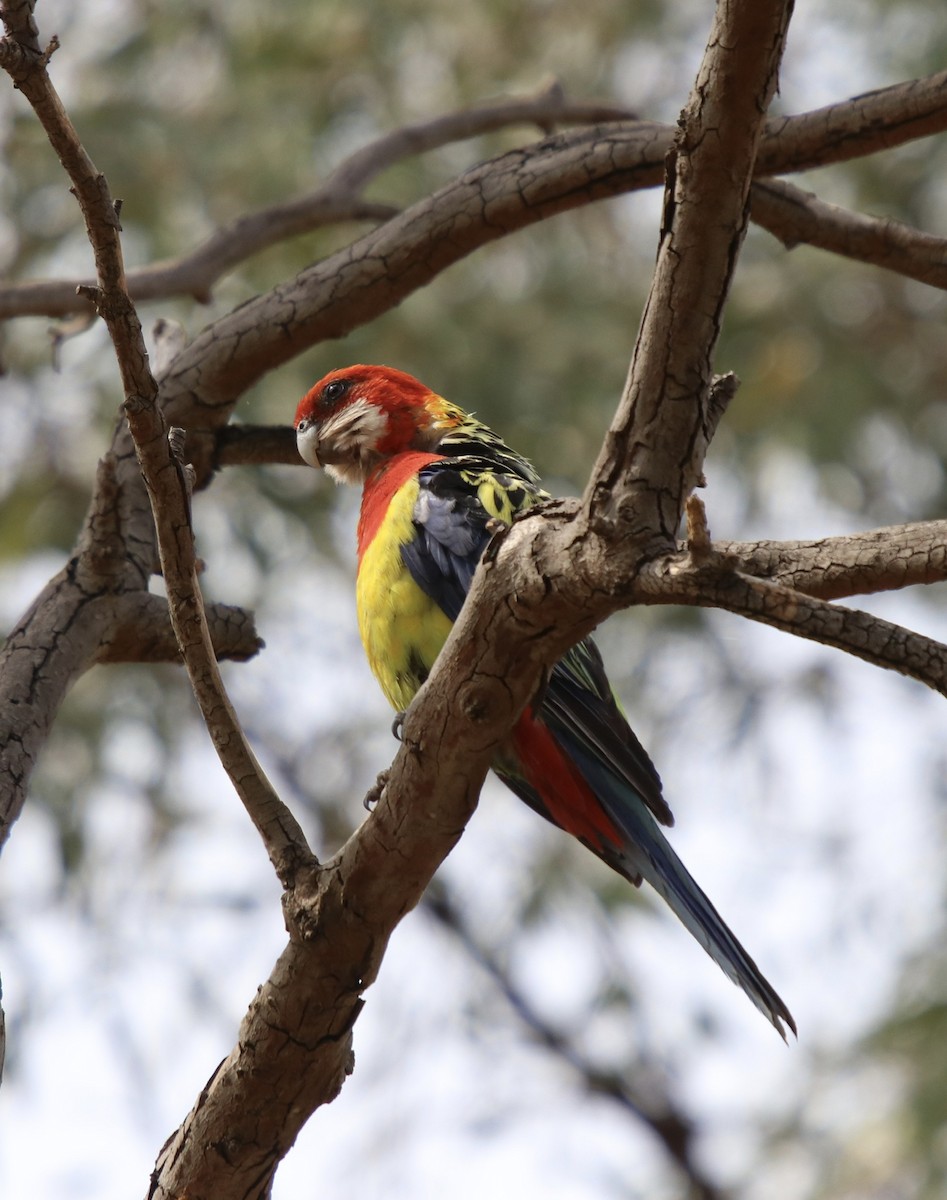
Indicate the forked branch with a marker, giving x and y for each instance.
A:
(165, 476)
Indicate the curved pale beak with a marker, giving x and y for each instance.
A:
(307, 442)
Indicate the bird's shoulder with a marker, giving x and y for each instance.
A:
(474, 487)
(459, 500)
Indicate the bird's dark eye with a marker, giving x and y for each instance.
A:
(334, 390)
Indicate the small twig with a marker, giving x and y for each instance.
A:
(723, 388)
(698, 531)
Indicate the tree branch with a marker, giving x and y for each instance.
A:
(140, 631)
(336, 201)
(705, 579)
(795, 216)
(654, 450)
(167, 485)
(254, 445)
(547, 108)
(866, 124)
(877, 641)
(876, 560)
(853, 128)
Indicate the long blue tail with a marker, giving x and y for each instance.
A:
(648, 854)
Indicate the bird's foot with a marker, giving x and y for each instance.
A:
(397, 726)
(373, 794)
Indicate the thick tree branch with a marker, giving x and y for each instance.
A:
(853, 128)
(294, 1046)
(654, 451)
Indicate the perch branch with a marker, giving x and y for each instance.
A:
(253, 445)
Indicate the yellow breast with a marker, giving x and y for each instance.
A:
(402, 628)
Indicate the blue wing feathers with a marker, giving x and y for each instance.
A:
(450, 537)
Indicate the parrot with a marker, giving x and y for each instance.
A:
(436, 484)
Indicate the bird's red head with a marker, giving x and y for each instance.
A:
(358, 416)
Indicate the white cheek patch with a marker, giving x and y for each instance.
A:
(348, 441)
(359, 425)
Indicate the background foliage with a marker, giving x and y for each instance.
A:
(138, 912)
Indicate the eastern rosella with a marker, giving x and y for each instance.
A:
(434, 482)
